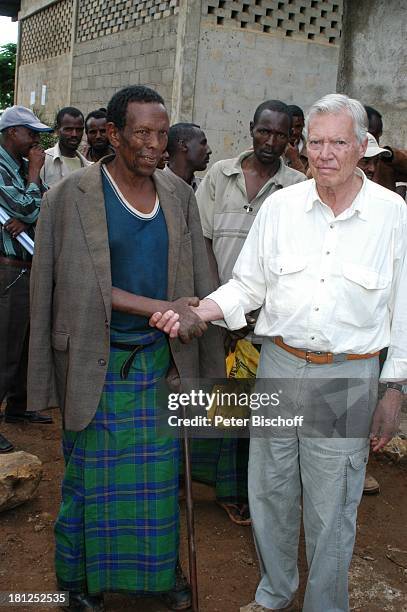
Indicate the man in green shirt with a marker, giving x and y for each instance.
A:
(21, 189)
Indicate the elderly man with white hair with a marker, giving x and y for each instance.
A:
(326, 262)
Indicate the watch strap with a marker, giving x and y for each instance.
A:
(394, 385)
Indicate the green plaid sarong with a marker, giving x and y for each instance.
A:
(117, 529)
(222, 463)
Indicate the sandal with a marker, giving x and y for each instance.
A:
(180, 597)
(238, 514)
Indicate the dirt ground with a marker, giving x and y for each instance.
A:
(227, 565)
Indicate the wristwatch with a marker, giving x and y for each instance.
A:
(394, 385)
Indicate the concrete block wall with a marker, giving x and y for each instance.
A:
(53, 73)
(44, 54)
(85, 50)
(28, 7)
(374, 62)
(238, 69)
(140, 55)
(214, 61)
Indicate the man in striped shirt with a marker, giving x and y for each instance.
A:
(21, 190)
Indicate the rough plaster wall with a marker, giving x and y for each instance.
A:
(374, 63)
(239, 70)
(52, 73)
(142, 55)
(30, 6)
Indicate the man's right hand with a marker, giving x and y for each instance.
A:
(36, 159)
(15, 227)
(180, 321)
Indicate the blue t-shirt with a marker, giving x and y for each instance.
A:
(138, 246)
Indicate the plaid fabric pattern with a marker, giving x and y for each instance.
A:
(222, 463)
(117, 529)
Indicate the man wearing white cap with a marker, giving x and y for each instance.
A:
(369, 164)
(21, 190)
(373, 153)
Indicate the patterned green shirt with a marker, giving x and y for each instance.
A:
(19, 200)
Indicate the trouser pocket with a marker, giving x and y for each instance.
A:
(355, 476)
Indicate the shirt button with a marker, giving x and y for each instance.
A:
(102, 362)
(322, 280)
(331, 226)
(328, 252)
(316, 308)
(312, 337)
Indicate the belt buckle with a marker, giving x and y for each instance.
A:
(308, 356)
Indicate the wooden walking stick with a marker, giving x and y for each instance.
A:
(193, 576)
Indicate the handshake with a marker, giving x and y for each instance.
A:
(181, 320)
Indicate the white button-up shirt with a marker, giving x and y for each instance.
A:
(326, 283)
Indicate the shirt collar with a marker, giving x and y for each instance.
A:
(234, 166)
(358, 205)
(168, 169)
(56, 154)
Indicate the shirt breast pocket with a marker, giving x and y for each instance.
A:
(286, 274)
(363, 297)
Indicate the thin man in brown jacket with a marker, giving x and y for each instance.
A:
(119, 223)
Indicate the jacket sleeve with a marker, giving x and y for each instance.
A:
(211, 351)
(40, 383)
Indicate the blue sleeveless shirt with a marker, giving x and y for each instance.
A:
(138, 246)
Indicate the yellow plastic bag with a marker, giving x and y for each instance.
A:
(243, 361)
(240, 364)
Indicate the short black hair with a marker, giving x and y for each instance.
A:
(372, 112)
(67, 110)
(117, 107)
(272, 105)
(100, 113)
(180, 131)
(296, 111)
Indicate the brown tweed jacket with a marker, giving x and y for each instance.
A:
(71, 292)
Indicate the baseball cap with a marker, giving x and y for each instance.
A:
(373, 148)
(20, 115)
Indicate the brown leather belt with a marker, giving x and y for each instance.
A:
(16, 263)
(318, 357)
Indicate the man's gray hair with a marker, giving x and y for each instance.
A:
(337, 103)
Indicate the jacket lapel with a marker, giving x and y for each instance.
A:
(172, 210)
(91, 207)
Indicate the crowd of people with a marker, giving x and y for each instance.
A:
(298, 244)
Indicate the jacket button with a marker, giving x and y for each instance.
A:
(102, 362)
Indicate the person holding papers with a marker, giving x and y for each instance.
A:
(21, 190)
